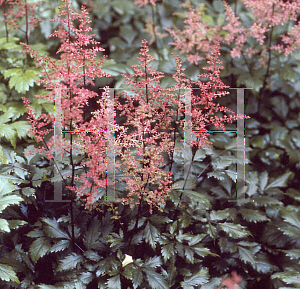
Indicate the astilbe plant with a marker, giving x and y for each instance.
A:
(153, 120)
(153, 108)
(68, 79)
(268, 14)
(16, 11)
(210, 90)
(78, 66)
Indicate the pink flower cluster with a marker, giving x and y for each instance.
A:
(69, 76)
(210, 90)
(194, 36)
(232, 282)
(267, 14)
(142, 3)
(23, 9)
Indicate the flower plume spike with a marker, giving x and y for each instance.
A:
(210, 90)
(148, 118)
(68, 78)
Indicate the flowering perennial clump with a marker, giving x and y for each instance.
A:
(153, 118)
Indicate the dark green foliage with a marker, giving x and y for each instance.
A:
(257, 234)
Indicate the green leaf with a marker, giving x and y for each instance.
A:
(291, 231)
(200, 155)
(153, 262)
(4, 226)
(3, 158)
(259, 142)
(39, 248)
(220, 20)
(156, 280)
(41, 47)
(60, 246)
(123, 6)
(247, 256)
(4, 118)
(253, 215)
(45, 286)
(222, 244)
(189, 254)
(11, 72)
(196, 279)
(292, 253)
(167, 66)
(219, 215)
(70, 262)
(9, 200)
(14, 224)
(117, 69)
(35, 234)
(196, 239)
(240, 147)
(159, 219)
(106, 265)
(127, 33)
(234, 230)
(223, 162)
(3, 40)
(263, 180)
(251, 81)
(137, 277)
(290, 276)
(278, 133)
(202, 252)
(114, 282)
(198, 197)
(8, 274)
(22, 80)
(280, 106)
(294, 194)
(52, 229)
(170, 274)
(280, 182)
(263, 264)
(21, 127)
(150, 234)
(286, 72)
(183, 237)
(85, 278)
(266, 201)
(28, 157)
(7, 131)
(207, 18)
(127, 271)
(114, 239)
(167, 251)
(191, 72)
(167, 82)
(216, 174)
(92, 255)
(219, 6)
(28, 191)
(211, 230)
(291, 217)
